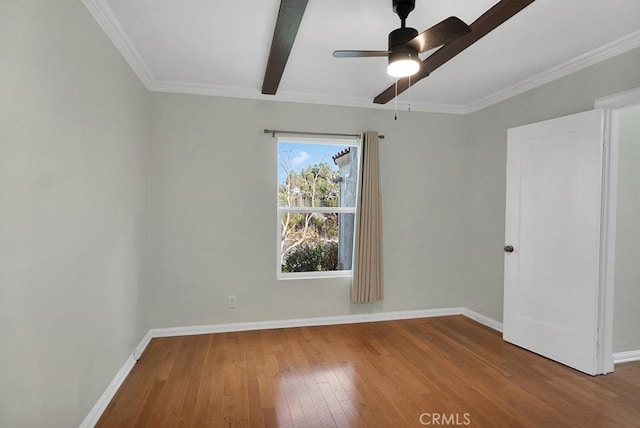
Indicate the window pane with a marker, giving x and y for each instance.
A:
(317, 175)
(312, 242)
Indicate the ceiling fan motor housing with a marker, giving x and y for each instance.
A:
(398, 49)
(398, 38)
(401, 36)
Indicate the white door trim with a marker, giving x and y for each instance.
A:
(612, 105)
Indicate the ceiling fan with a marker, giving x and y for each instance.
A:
(452, 35)
(405, 43)
(487, 22)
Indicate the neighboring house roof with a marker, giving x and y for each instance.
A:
(340, 154)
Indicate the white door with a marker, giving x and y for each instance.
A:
(553, 211)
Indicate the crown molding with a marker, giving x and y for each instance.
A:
(104, 16)
(102, 13)
(174, 87)
(610, 50)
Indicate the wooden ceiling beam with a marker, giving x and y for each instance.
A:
(289, 18)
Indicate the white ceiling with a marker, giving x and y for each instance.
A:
(217, 47)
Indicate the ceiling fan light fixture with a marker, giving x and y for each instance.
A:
(403, 64)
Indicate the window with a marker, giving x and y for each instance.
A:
(317, 193)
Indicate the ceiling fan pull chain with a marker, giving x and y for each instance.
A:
(395, 113)
(409, 95)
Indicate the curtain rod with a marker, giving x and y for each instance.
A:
(273, 133)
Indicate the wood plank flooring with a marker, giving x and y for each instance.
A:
(410, 373)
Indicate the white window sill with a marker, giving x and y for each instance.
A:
(314, 275)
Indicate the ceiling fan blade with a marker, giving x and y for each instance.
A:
(287, 24)
(440, 34)
(491, 19)
(359, 54)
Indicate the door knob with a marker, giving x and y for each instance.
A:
(508, 249)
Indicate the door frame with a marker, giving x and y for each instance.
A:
(612, 105)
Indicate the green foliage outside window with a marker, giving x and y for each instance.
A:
(309, 240)
(312, 257)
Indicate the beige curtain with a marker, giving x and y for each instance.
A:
(367, 263)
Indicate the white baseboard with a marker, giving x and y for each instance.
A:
(626, 357)
(97, 410)
(482, 319)
(137, 353)
(303, 322)
(94, 415)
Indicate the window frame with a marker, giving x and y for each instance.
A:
(326, 141)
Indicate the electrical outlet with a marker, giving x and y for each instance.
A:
(232, 302)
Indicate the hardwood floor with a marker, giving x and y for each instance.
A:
(424, 372)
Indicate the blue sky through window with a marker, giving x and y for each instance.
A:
(298, 156)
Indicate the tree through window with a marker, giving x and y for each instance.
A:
(317, 190)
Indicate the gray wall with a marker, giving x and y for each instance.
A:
(74, 148)
(213, 215)
(443, 184)
(81, 144)
(627, 271)
(487, 136)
